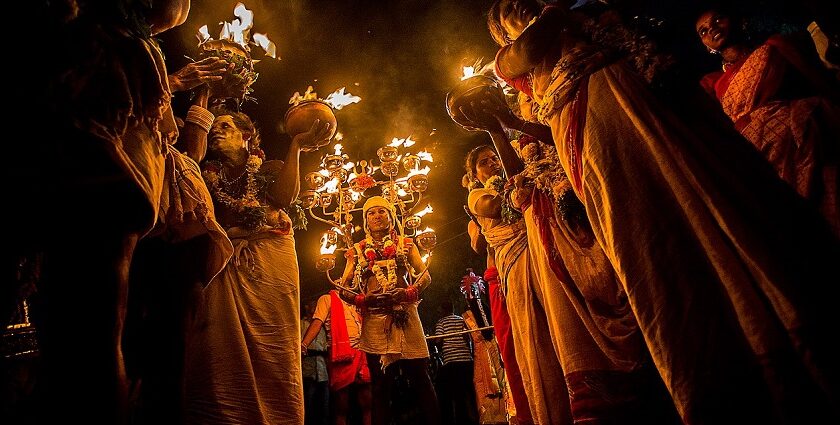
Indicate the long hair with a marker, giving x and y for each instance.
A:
(494, 24)
(470, 180)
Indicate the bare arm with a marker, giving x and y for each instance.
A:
(417, 263)
(488, 206)
(477, 241)
(535, 43)
(347, 278)
(510, 160)
(193, 140)
(311, 332)
(285, 187)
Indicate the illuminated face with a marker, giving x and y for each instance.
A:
(378, 219)
(225, 137)
(514, 16)
(487, 165)
(714, 29)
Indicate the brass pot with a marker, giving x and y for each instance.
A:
(235, 82)
(473, 90)
(299, 119)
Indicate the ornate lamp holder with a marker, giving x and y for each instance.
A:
(340, 184)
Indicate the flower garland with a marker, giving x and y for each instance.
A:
(251, 213)
(509, 213)
(544, 170)
(389, 249)
(388, 253)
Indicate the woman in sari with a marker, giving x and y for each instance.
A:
(782, 100)
(245, 359)
(720, 260)
(606, 367)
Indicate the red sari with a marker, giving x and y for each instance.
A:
(774, 99)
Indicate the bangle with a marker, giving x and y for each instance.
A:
(359, 300)
(200, 117)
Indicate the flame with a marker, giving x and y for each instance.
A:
(349, 166)
(331, 186)
(338, 136)
(339, 99)
(239, 27)
(327, 249)
(425, 258)
(338, 149)
(266, 44)
(203, 34)
(401, 192)
(425, 156)
(426, 230)
(308, 95)
(324, 173)
(469, 71)
(425, 211)
(415, 172)
(407, 142)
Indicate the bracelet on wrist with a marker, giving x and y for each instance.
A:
(200, 117)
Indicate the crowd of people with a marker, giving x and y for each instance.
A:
(649, 260)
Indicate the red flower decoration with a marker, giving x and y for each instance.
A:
(370, 255)
(389, 251)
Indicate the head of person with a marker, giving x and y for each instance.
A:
(507, 19)
(482, 163)
(718, 28)
(446, 308)
(379, 215)
(232, 134)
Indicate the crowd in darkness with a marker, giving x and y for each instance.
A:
(656, 241)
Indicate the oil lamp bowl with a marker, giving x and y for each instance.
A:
(325, 262)
(473, 90)
(235, 82)
(299, 119)
(426, 241)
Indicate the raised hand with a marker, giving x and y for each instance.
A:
(316, 137)
(500, 110)
(197, 73)
(476, 115)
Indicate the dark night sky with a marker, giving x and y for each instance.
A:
(401, 57)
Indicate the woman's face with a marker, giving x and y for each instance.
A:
(514, 16)
(714, 29)
(378, 219)
(487, 165)
(224, 136)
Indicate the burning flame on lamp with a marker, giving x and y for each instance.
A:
(326, 261)
(336, 100)
(238, 31)
(339, 99)
(407, 142)
(469, 71)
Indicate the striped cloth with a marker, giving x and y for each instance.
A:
(455, 348)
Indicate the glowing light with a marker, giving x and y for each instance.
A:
(407, 142)
(415, 172)
(425, 156)
(425, 211)
(426, 230)
(338, 136)
(337, 148)
(266, 44)
(327, 249)
(469, 71)
(309, 94)
(203, 34)
(339, 99)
